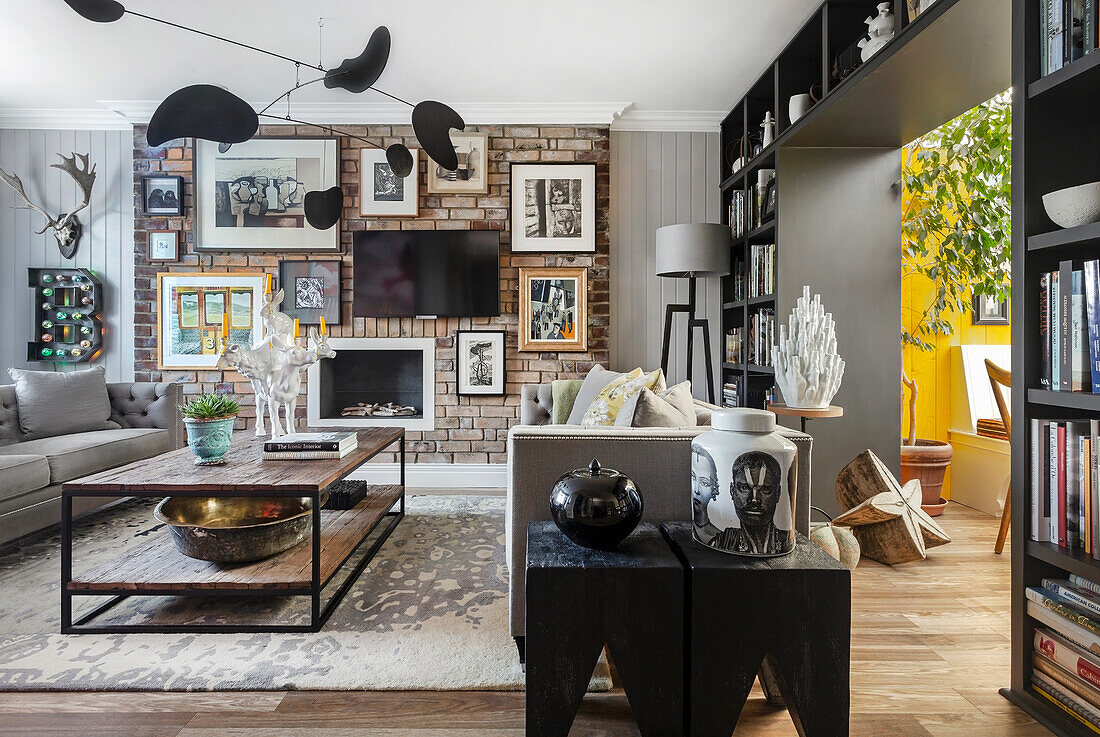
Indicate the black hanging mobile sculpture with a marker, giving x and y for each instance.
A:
(213, 113)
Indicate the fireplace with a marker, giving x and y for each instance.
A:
(374, 382)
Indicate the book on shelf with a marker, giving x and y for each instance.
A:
(1069, 328)
(1083, 583)
(737, 216)
(1067, 702)
(761, 270)
(1067, 628)
(1081, 597)
(1067, 32)
(731, 393)
(761, 337)
(1064, 609)
(1065, 484)
(1069, 680)
(312, 441)
(1063, 653)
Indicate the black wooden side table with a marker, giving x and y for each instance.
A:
(793, 614)
(578, 600)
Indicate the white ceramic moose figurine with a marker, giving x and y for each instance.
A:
(274, 365)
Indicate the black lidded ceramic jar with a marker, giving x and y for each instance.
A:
(596, 507)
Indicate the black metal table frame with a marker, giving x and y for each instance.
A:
(318, 615)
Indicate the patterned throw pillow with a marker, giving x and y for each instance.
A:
(605, 407)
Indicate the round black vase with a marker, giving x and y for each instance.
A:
(596, 507)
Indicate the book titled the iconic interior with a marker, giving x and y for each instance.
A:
(299, 442)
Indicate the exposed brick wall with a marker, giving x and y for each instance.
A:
(468, 429)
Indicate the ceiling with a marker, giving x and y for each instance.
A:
(662, 59)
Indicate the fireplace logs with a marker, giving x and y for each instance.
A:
(389, 409)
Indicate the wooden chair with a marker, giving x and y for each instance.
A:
(998, 377)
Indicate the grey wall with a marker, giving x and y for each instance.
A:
(840, 233)
(659, 178)
(106, 247)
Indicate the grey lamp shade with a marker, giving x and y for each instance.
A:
(693, 249)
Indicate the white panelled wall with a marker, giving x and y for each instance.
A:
(106, 246)
(660, 178)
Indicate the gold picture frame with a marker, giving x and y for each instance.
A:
(553, 309)
(188, 333)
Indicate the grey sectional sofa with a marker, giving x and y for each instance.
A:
(658, 459)
(145, 421)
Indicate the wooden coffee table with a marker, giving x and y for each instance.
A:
(156, 568)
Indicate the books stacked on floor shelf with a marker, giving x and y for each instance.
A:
(761, 270)
(310, 446)
(1068, 31)
(1066, 642)
(735, 337)
(731, 393)
(761, 337)
(1065, 484)
(1069, 328)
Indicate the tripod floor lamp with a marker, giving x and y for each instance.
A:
(692, 251)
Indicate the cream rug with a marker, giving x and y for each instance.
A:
(429, 613)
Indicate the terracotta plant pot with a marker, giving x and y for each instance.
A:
(926, 461)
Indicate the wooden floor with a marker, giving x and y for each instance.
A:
(929, 651)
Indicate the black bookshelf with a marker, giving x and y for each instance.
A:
(1054, 146)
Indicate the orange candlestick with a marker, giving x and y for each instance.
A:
(295, 328)
(324, 328)
(225, 324)
(267, 283)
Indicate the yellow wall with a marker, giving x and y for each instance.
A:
(932, 370)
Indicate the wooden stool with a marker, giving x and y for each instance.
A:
(792, 614)
(578, 600)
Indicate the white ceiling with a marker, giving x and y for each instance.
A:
(663, 57)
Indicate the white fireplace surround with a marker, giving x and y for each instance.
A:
(426, 346)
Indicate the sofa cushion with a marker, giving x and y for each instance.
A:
(673, 407)
(22, 473)
(80, 454)
(598, 377)
(61, 402)
(605, 408)
(564, 393)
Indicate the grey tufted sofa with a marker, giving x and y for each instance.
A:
(145, 421)
(658, 459)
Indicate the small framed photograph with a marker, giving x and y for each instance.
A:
(771, 200)
(988, 310)
(479, 362)
(554, 208)
(161, 195)
(191, 309)
(553, 309)
(311, 291)
(471, 176)
(384, 194)
(164, 245)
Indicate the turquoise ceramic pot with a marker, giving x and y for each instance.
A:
(209, 439)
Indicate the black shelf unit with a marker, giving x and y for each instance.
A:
(1054, 146)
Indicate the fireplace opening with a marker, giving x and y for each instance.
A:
(353, 382)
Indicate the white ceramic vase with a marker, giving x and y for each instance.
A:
(743, 484)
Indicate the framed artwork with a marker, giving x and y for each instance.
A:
(164, 245)
(553, 309)
(554, 208)
(988, 310)
(311, 291)
(479, 362)
(771, 200)
(161, 195)
(190, 310)
(471, 176)
(384, 194)
(251, 197)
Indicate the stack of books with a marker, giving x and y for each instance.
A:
(731, 393)
(761, 337)
(737, 214)
(1069, 328)
(992, 429)
(1067, 31)
(310, 446)
(1065, 493)
(1065, 664)
(761, 270)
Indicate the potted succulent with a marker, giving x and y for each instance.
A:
(209, 421)
(926, 460)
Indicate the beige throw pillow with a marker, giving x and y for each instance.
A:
(611, 399)
(671, 408)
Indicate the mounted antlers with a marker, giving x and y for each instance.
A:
(66, 227)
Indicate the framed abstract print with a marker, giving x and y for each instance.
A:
(553, 309)
(381, 192)
(251, 197)
(191, 309)
(311, 291)
(554, 208)
(479, 362)
(471, 176)
(164, 245)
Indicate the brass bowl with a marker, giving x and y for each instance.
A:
(236, 529)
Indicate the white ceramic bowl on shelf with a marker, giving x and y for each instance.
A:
(1074, 206)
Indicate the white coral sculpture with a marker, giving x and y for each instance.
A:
(807, 367)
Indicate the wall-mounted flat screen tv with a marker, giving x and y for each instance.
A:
(445, 273)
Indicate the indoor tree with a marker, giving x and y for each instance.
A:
(956, 227)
